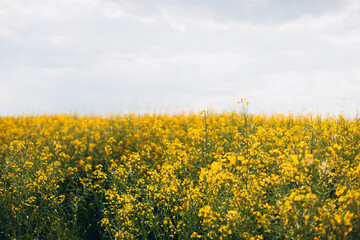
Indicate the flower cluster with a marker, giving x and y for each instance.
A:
(201, 176)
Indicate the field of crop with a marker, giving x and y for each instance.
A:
(186, 176)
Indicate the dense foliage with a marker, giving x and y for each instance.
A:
(202, 176)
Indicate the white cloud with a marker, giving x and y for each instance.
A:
(106, 55)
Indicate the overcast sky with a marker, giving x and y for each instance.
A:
(166, 55)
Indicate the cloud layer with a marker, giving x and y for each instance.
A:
(108, 55)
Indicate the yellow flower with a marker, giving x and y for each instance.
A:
(61, 198)
(104, 222)
(28, 164)
(195, 235)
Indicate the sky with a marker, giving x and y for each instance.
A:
(117, 56)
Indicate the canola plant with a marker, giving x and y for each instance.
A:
(181, 176)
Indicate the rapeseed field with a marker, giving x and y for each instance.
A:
(183, 176)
